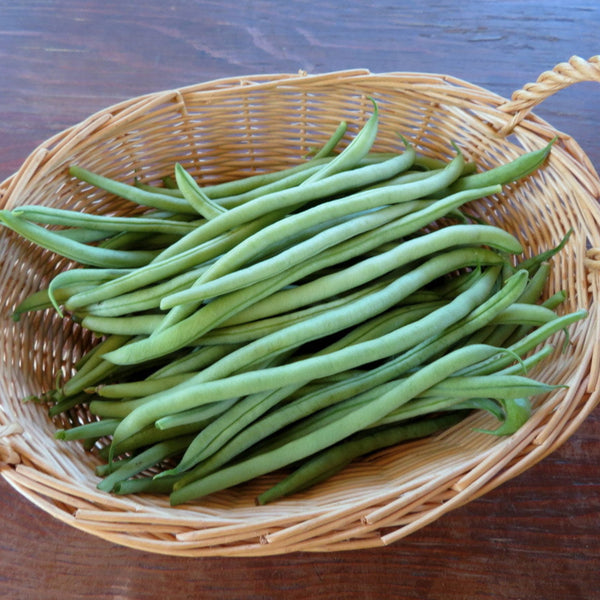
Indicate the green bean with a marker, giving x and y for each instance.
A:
(159, 189)
(507, 172)
(527, 343)
(532, 263)
(93, 430)
(491, 385)
(143, 299)
(41, 300)
(144, 460)
(84, 236)
(332, 460)
(354, 152)
(107, 468)
(103, 223)
(328, 435)
(133, 193)
(136, 325)
(137, 389)
(73, 250)
(525, 314)
(95, 367)
(192, 192)
(333, 141)
(198, 358)
(429, 163)
(144, 485)
(516, 412)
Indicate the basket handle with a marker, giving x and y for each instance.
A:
(548, 83)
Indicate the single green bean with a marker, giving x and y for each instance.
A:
(525, 314)
(92, 430)
(85, 236)
(144, 485)
(194, 195)
(73, 250)
(104, 223)
(133, 325)
(137, 389)
(333, 141)
(507, 172)
(133, 193)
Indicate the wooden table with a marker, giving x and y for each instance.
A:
(538, 536)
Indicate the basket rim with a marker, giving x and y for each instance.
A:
(224, 85)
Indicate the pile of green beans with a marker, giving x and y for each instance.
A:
(292, 320)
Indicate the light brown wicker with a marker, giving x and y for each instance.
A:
(232, 127)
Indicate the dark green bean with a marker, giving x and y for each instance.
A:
(332, 460)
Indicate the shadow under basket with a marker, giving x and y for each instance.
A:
(225, 129)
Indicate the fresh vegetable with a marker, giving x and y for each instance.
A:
(293, 320)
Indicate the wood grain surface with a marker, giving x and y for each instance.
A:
(537, 536)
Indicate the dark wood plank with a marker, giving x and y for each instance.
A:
(536, 537)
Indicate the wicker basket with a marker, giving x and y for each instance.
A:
(232, 127)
